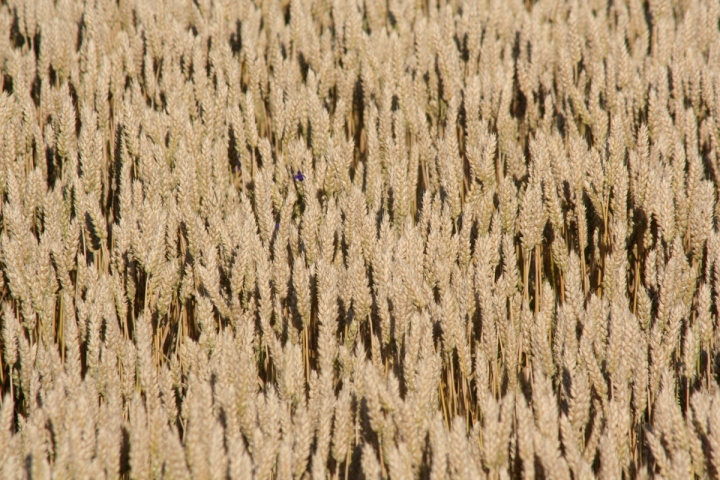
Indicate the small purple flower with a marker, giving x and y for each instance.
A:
(299, 176)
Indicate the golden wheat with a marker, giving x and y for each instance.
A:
(365, 239)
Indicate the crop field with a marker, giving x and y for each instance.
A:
(372, 239)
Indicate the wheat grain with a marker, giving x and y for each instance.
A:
(338, 240)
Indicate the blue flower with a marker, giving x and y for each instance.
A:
(299, 176)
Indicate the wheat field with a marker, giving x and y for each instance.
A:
(334, 239)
